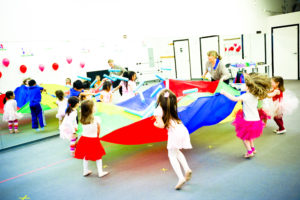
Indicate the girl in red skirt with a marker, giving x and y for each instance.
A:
(89, 146)
(248, 125)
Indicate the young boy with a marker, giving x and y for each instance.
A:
(35, 97)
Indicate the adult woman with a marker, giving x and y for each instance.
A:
(216, 68)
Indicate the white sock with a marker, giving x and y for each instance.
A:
(85, 166)
(182, 161)
(172, 153)
(99, 166)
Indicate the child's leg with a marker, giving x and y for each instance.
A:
(184, 164)
(73, 144)
(10, 125)
(40, 115)
(172, 154)
(86, 170)
(101, 173)
(183, 161)
(279, 122)
(252, 146)
(34, 117)
(248, 148)
(16, 126)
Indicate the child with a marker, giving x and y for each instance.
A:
(98, 83)
(178, 135)
(35, 98)
(248, 124)
(89, 146)
(131, 83)
(69, 125)
(77, 89)
(106, 96)
(68, 82)
(281, 106)
(62, 104)
(10, 114)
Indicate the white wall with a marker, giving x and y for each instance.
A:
(65, 27)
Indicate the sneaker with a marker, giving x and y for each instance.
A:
(280, 132)
(180, 184)
(103, 174)
(87, 173)
(275, 131)
(42, 128)
(37, 130)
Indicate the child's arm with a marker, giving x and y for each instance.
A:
(101, 97)
(229, 96)
(274, 93)
(98, 129)
(159, 123)
(110, 98)
(116, 88)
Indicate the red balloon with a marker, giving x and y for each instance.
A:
(55, 66)
(82, 64)
(0, 74)
(225, 49)
(231, 49)
(5, 62)
(238, 49)
(23, 69)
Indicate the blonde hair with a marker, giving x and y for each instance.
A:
(110, 61)
(168, 103)
(258, 85)
(87, 110)
(214, 54)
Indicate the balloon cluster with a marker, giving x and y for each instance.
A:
(235, 47)
(23, 68)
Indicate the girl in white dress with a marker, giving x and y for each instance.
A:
(10, 114)
(106, 95)
(178, 135)
(62, 104)
(69, 126)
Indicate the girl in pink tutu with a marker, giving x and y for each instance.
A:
(284, 103)
(178, 135)
(89, 146)
(248, 125)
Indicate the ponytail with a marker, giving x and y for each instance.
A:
(72, 101)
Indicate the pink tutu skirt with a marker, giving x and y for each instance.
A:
(247, 130)
(263, 115)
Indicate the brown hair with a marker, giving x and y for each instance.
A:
(258, 84)
(169, 107)
(110, 61)
(25, 80)
(87, 110)
(279, 80)
(59, 94)
(215, 54)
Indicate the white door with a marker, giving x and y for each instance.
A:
(285, 56)
(208, 44)
(182, 59)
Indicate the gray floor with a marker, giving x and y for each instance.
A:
(44, 170)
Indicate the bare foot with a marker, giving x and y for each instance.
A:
(180, 184)
(16, 131)
(188, 175)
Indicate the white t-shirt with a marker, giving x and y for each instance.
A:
(90, 130)
(62, 105)
(250, 107)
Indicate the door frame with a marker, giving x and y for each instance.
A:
(272, 46)
(210, 36)
(189, 55)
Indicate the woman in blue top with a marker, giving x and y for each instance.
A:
(216, 68)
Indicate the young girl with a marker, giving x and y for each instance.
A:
(106, 96)
(62, 104)
(281, 105)
(68, 82)
(98, 83)
(10, 114)
(69, 125)
(248, 125)
(178, 135)
(89, 146)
